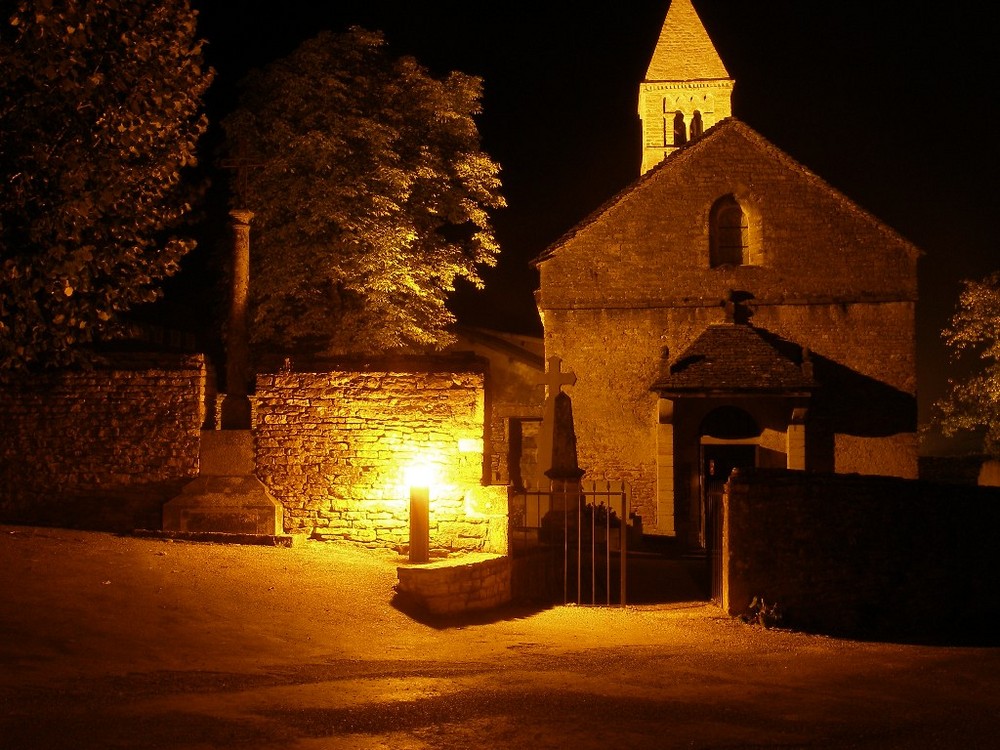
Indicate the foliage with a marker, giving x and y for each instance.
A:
(761, 613)
(974, 402)
(370, 194)
(99, 114)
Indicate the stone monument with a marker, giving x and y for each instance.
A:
(557, 440)
(227, 497)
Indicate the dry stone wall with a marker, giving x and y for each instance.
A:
(102, 447)
(862, 555)
(462, 585)
(334, 447)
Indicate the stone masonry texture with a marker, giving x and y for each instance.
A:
(861, 555)
(334, 447)
(102, 447)
(631, 287)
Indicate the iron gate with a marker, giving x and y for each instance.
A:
(582, 527)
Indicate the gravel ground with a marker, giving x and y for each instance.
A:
(118, 642)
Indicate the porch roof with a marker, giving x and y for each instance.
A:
(738, 358)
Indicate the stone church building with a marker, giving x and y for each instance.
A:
(728, 309)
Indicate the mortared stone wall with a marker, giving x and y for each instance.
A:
(102, 447)
(335, 446)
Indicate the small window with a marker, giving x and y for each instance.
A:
(696, 126)
(728, 233)
(680, 130)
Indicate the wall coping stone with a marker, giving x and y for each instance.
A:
(455, 585)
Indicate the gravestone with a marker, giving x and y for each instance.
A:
(551, 429)
(557, 439)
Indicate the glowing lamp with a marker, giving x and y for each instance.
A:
(418, 478)
(418, 475)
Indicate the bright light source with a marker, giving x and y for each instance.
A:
(418, 475)
(470, 445)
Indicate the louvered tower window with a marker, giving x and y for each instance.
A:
(680, 130)
(696, 125)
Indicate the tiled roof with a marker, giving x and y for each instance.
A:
(733, 357)
(684, 51)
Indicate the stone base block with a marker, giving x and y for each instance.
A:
(457, 585)
(230, 504)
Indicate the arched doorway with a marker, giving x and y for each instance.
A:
(729, 438)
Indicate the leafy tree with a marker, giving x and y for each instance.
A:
(370, 194)
(99, 114)
(974, 402)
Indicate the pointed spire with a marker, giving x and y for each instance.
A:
(684, 51)
(687, 89)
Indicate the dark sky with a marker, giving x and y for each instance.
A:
(891, 102)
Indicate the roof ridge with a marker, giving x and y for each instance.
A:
(692, 147)
(618, 197)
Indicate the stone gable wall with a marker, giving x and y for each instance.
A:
(863, 555)
(652, 246)
(333, 448)
(104, 447)
(632, 288)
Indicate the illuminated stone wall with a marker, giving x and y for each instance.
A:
(101, 448)
(334, 446)
(514, 397)
(860, 555)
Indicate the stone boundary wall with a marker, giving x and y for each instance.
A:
(334, 446)
(863, 555)
(101, 448)
(457, 586)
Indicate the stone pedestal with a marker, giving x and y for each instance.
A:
(226, 497)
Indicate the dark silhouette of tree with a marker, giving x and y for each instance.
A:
(99, 116)
(371, 197)
(973, 403)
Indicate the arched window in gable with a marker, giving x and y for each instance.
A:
(680, 130)
(696, 125)
(729, 232)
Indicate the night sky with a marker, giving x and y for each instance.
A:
(889, 102)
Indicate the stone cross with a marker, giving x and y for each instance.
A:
(241, 167)
(553, 381)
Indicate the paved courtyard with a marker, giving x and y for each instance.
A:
(118, 642)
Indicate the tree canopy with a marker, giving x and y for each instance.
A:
(99, 115)
(371, 196)
(973, 403)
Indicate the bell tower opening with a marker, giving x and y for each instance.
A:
(685, 70)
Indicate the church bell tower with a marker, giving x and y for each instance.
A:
(687, 89)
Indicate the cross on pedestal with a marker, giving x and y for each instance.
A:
(241, 166)
(553, 381)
